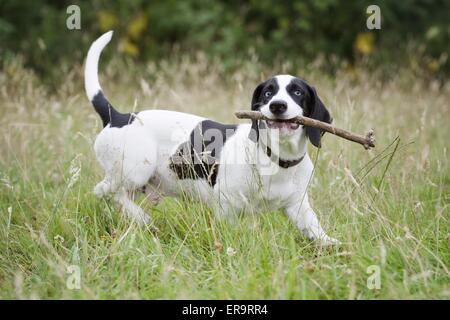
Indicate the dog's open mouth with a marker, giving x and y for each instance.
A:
(276, 124)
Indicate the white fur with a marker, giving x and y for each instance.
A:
(91, 83)
(138, 155)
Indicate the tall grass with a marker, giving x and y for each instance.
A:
(390, 206)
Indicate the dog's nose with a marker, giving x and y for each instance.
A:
(278, 107)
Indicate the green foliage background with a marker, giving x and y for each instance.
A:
(296, 31)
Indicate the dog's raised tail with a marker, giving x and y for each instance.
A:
(91, 84)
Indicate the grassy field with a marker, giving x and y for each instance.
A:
(390, 206)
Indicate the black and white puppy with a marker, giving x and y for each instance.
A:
(263, 166)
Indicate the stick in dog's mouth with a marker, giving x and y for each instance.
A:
(291, 120)
(367, 141)
(282, 124)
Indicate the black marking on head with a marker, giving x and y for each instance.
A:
(264, 92)
(108, 114)
(261, 96)
(298, 91)
(199, 157)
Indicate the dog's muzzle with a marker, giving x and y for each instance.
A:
(278, 107)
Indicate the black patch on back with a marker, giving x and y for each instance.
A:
(108, 114)
(199, 157)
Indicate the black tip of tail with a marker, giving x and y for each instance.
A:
(108, 114)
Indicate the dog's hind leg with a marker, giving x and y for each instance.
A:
(122, 197)
(104, 188)
(130, 209)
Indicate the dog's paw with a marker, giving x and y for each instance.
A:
(143, 219)
(327, 241)
(101, 189)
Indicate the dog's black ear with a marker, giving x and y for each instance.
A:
(254, 131)
(316, 110)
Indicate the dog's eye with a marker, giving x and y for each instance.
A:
(297, 92)
(268, 94)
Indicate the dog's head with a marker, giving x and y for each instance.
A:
(284, 97)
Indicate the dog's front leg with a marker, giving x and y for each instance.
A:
(305, 219)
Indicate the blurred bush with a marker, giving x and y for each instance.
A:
(414, 33)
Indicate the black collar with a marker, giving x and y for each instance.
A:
(282, 163)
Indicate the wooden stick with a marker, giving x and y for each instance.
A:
(367, 141)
